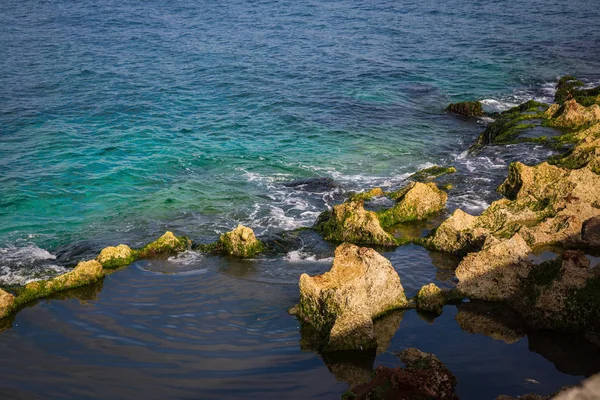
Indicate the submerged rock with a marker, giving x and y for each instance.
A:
(469, 109)
(313, 184)
(84, 273)
(494, 273)
(114, 257)
(424, 378)
(350, 222)
(240, 242)
(167, 244)
(431, 298)
(360, 286)
(416, 202)
(7, 303)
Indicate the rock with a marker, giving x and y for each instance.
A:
(167, 244)
(424, 378)
(562, 294)
(495, 272)
(417, 202)
(431, 173)
(509, 124)
(569, 87)
(368, 195)
(7, 303)
(114, 257)
(313, 184)
(360, 286)
(350, 222)
(84, 273)
(551, 111)
(469, 109)
(590, 231)
(495, 320)
(589, 390)
(573, 115)
(431, 298)
(540, 182)
(456, 235)
(240, 242)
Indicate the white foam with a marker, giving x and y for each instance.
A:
(298, 256)
(188, 257)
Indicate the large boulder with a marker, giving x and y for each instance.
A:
(115, 257)
(495, 272)
(165, 245)
(360, 286)
(7, 303)
(240, 242)
(469, 109)
(84, 273)
(350, 222)
(417, 201)
(424, 378)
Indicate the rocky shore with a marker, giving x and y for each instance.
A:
(550, 207)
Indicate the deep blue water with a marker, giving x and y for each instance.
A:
(122, 119)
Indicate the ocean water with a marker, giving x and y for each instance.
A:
(122, 119)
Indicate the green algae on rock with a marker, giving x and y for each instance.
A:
(431, 299)
(431, 173)
(165, 245)
(569, 87)
(469, 109)
(350, 222)
(368, 195)
(240, 242)
(7, 303)
(115, 257)
(417, 202)
(84, 273)
(343, 302)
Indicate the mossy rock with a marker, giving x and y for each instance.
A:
(84, 273)
(7, 303)
(509, 124)
(350, 222)
(469, 109)
(431, 173)
(115, 257)
(366, 196)
(240, 242)
(569, 87)
(165, 245)
(419, 201)
(431, 299)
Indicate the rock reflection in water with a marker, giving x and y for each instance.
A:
(353, 367)
(495, 320)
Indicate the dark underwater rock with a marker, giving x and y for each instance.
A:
(468, 109)
(424, 378)
(313, 184)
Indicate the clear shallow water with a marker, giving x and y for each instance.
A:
(119, 120)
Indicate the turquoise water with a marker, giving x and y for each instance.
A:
(122, 119)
